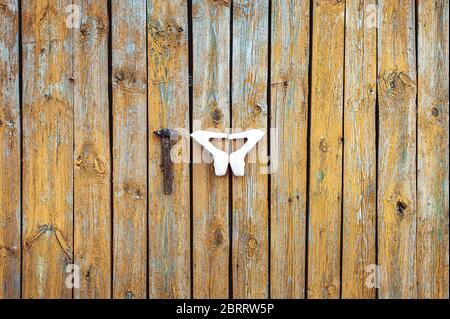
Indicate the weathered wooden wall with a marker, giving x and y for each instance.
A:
(353, 96)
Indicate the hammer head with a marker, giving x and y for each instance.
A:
(166, 133)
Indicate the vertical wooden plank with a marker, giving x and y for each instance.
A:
(211, 110)
(92, 174)
(9, 151)
(326, 149)
(47, 149)
(289, 96)
(249, 110)
(433, 154)
(129, 80)
(397, 149)
(168, 107)
(359, 215)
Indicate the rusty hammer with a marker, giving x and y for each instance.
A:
(167, 135)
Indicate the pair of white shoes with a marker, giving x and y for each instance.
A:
(221, 159)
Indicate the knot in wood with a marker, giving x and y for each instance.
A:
(101, 27)
(395, 84)
(84, 30)
(119, 76)
(329, 289)
(400, 208)
(252, 246)
(168, 36)
(257, 110)
(435, 112)
(323, 146)
(218, 237)
(217, 115)
(89, 161)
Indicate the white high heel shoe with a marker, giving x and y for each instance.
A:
(221, 159)
(237, 158)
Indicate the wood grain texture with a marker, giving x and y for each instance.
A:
(75, 173)
(168, 107)
(249, 110)
(129, 80)
(433, 154)
(397, 149)
(10, 155)
(359, 207)
(47, 149)
(326, 149)
(289, 116)
(211, 110)
(92, 174)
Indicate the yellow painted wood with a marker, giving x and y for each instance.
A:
(92, 170)
(359, 207)
(397, 149)
(60, 160)
(129, 80)
(432, 149)
(168, 107)
(47, 149)
(211, 110)
(325, 193)
(249, 110)
(289, 103)
(9, 151)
